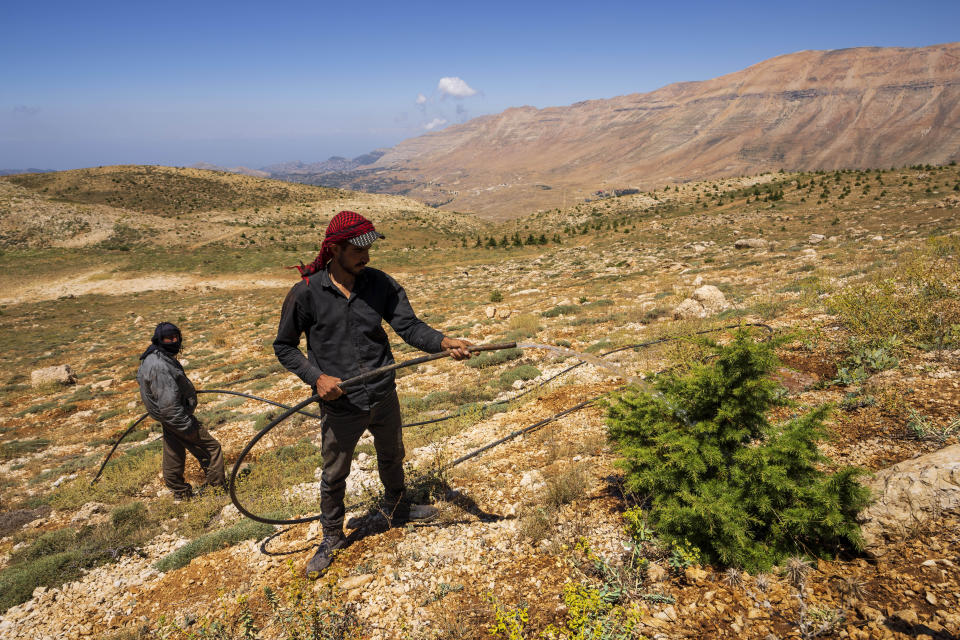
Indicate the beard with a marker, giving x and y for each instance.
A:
(353, 267)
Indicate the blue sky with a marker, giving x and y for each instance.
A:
(242, 83)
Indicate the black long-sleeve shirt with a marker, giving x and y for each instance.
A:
(344, 335)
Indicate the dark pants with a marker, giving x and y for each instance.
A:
(340, 432)
(204, 447)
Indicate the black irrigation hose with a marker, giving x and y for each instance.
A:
(519, 432)
(415, 361)
(117, 444)
(370, 374)
(543, 383)
(557, 416)
(220, 391)
(252, 397)
(232, 483)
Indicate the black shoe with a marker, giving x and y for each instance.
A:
(324, 555)
(406, 512)
(180, 496)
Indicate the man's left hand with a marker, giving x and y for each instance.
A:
(458, 348)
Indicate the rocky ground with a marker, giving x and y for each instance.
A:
(523, 521)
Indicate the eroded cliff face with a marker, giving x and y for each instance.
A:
(864, 107)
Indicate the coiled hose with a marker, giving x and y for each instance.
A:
(289, 411)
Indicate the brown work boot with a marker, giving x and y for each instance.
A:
(332, 541)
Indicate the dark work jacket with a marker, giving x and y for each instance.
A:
(167, 392)
(345, 337)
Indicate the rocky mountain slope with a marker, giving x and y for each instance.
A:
(856, 271)
(863, 107)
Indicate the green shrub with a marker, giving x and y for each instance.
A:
(128, 515)
(918, 300)
(18, 581)
(125, 475)
(243, 530)
(523, 372)
(560, 309)
(18, 448)
(61, 556)
(523, 325)
(106, 415)
(721, 477)
(864, 361)
(493, 358)
(50, 543)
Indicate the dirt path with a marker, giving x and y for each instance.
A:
(92, 282)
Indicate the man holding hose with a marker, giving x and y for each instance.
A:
(339, 304)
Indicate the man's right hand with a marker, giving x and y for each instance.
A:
(327, 387)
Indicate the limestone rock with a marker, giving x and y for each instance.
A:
(58, 374)
(815, 238)
(531, 480)
(656, 573)
(694, 574)
(910, 493)
(88, 511)
(705, 301)
(689, 308)
(355, 582)
(751, 243)
(711, 298)
(490, 312)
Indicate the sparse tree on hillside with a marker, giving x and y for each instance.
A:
(720, 476)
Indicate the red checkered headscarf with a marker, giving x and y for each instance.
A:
(346, 225)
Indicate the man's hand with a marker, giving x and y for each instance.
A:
(327, 387)
(458, 348)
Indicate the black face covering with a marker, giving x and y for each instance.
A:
(164, 330)
(170, 348)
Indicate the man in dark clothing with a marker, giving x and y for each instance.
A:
(339, 304)
(171, 399)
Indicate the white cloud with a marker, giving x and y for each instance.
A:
(421, 99)
(433, 124)
(456, 87)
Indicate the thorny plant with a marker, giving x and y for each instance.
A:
(812, 622)
(733, 577)
(923, 427)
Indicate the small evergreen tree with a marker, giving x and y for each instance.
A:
(718, 474)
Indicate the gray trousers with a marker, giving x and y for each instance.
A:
(204, 447)
(340, 432)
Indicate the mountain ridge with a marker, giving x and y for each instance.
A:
(813, 109)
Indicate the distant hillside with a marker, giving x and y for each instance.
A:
(291, 170)
(864, 107)
(166, 190)
(13, 172)
(244, 171)
(125, 206)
